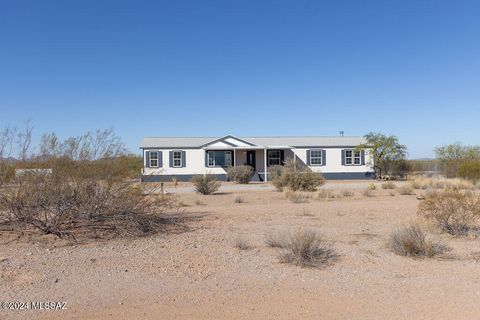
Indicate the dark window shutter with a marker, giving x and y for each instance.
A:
(343, 157)
(206, 158)
(362, 155)
(160, 159)
(147, 156)
(184, 159)
(282, 157)
(170, 157)
(324, 157)
(308, 157)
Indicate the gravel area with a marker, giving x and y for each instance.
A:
(199, 274)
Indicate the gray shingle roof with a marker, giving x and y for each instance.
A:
(197, 142)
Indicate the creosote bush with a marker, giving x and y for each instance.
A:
(240, 174)
(411, 241)
(452, 211)
(388, 185)
(205, 184)
(296, 196)
(306, 248)
(239, 199)
(297, 178)
(66, 206)
(406, 190)
(470, 170)
(241, 244)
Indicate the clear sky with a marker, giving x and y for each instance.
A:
(249, 67)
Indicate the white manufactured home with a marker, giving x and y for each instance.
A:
(165, 158)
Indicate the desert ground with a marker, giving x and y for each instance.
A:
(198, 273)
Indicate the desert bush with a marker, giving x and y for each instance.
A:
(406, 190)
(470, 170)
(67, 206)
(296, 197)
(324, 194)
(388, 185)
(368, 192)
(372, 186)
(306, 180)
(239, 199)
(205, 184)
(347, 193)
(276, 240)
(240, 174)
(241, 244)
(306, 248)
(411, 241)
(452, 211)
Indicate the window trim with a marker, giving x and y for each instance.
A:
(178, 159)
(279, 158)
(353, 157)
(214, 165)
(150, 158)
(321, 157)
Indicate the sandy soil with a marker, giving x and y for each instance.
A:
(199, 274)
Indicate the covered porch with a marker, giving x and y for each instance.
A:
(258, 157)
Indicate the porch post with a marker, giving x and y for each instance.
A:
(234, 157)
(265, 163)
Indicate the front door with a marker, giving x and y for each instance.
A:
(251, 159)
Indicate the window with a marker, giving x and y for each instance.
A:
(353, 157)
(219, 158)
(316, 157)
(177, 159)
(274, 158)
(153, 159)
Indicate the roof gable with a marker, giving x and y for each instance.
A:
(230, 141)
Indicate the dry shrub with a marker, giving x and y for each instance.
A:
(406, 190)
(241, 244)
(68, 206)
(368, 192)
(297, 178)
(240, 174)
(411, 241)
(276, 240)
(388, 185)
(296, 197)
(324, 194)
(205, 184)
(372, 186)
(470, 170)
(452, 211)
(306, 248)
(239, 199)
(347, 193)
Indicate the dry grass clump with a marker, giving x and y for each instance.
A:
(406, 190)
(411, 241)
(388, 185)
(454, 212)
(324, 194)
(241, 244)
(71, 206)
(442, 183)
(368, 192)
(239, 199)
(296, 197)
(306, 248)
(276, 240)
(347, 193)
(198, 202)
(206, 184)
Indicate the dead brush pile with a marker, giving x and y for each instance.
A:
(69, 207)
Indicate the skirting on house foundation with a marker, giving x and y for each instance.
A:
(223, 177)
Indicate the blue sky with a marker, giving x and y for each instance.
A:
(166, 68)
